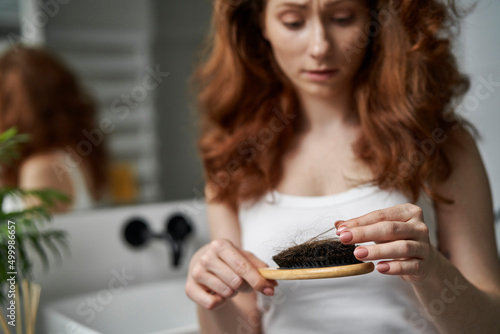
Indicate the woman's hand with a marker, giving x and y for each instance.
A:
(219, 270)
(400, 234)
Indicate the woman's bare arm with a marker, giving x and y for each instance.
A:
(235, 307)
(464, 292)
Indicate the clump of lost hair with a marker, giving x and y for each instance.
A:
(316, 253)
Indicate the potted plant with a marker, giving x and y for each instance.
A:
(22, 229)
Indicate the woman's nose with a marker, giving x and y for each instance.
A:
(320, 43)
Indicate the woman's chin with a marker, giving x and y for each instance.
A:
(319, 90)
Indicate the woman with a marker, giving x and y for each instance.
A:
(342, 112)
(42, 98)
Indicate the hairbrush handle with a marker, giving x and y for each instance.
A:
(315, 273)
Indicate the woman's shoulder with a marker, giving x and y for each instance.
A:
(461, 147)
(42, 170)
(467, 167)
(41, 158)
(40, 162)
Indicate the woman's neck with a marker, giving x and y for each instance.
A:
(322, 114)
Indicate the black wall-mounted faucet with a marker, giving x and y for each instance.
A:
(177, 228)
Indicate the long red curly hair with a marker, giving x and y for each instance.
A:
(42, 98)
(406, 91)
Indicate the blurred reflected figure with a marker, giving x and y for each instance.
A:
(42, 98)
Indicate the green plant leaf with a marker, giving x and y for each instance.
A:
(28, 221)
(51, 239)
(10, 142)
(23, 262)
(35, 242)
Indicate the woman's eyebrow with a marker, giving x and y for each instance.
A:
(304, 5)
(293, 4)
(331, 3)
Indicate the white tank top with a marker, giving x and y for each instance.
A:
(82, 199)
(371, 303)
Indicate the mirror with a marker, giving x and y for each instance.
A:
(135, 58)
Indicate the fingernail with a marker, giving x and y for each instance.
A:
(383, 267)
(345, 236)
(340, 229)
(338, 222)
(268, 291)
(361, 252)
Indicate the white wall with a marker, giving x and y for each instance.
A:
(482, 60)
(180, 29)
(97, 247)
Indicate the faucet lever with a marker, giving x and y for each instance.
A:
(178, 228)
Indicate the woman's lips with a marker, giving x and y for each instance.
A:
(320, 75)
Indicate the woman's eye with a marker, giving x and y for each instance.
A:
(344, 20)
(293, 25)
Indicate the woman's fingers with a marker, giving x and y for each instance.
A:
(212, 263)
(385, 231)
(402, 212)
(399, 233)
(219, 270)
(243, 268)
(392, 250)
(413, 270)
(203, 296)
(216, 280)
(258, 264)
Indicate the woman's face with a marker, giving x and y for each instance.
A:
(318, 44)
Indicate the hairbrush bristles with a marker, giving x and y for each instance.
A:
(316, 258)
(317, 254)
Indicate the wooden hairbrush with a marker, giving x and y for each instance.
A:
(317, 259)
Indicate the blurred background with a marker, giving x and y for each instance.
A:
(135, 58)
(115, 45)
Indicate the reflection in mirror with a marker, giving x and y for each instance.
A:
(42, 100)
(135, 59)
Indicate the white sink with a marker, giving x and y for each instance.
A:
(153, 308)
